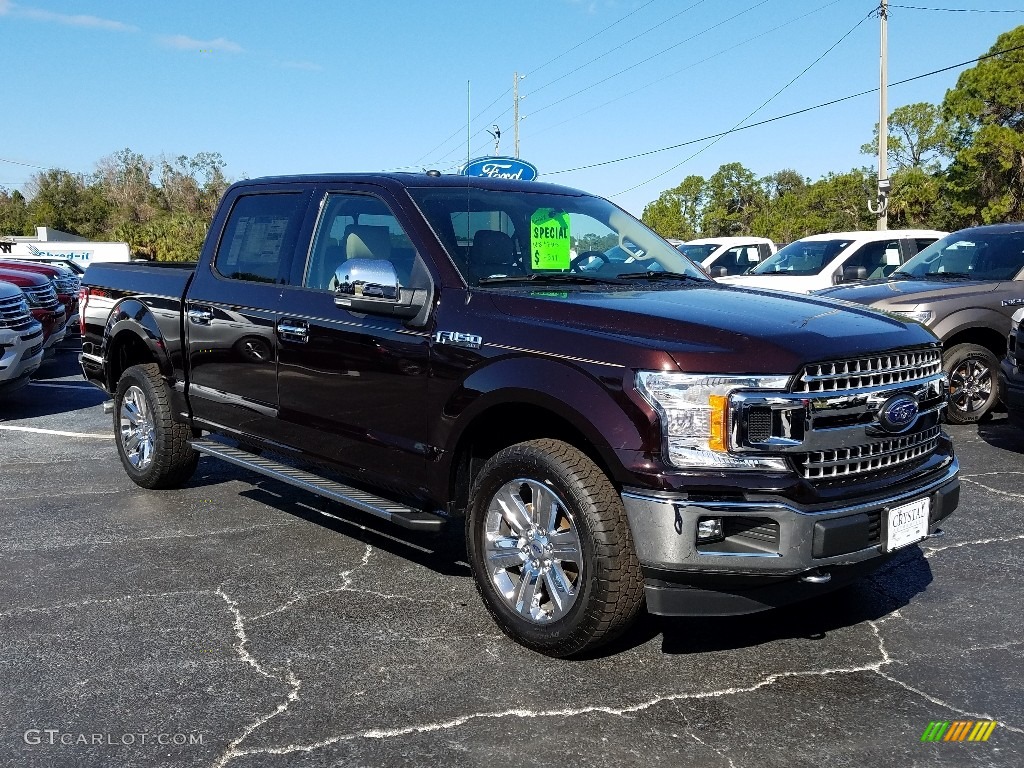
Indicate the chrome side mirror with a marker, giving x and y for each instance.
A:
(368, 279)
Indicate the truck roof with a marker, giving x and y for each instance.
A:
(404, 180)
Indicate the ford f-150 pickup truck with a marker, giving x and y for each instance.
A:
(426, 347)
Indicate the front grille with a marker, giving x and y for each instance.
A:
(14, 313)
(68, 284)
(41, 296)
(758, 530)
(759, 424)
(874, 527)
(904, 367)
(842, 463)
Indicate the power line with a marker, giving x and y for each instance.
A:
(537, 69)
(786, 115)
(722, 52)
(18, 162)
(577, 92)
(956, 10)
(764, 104)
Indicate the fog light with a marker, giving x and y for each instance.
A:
(709, 529)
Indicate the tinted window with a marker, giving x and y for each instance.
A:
(989, 256)
(357, 226)
(879, 259)
(259, 237)
(804, 257)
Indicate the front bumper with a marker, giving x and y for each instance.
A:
(22, 355)
(779, 551)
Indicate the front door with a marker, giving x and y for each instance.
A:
(352, 385)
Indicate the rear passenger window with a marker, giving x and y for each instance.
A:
(259, 237)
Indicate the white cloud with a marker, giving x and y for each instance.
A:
(186, 43)
(7, 8)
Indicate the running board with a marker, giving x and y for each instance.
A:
(406, 517)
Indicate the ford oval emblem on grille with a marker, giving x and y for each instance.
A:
(897, 413)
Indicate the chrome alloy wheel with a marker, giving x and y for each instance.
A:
(532, 550)
(137, 431)
(970, 385)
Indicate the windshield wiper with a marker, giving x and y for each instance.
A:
(661, 276)
(904, 276)
(539, 277)
(954, 275)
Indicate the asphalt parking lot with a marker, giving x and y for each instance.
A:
(241, 622)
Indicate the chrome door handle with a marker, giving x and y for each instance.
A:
(200, 316)
(298, 332)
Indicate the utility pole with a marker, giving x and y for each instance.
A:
(882, 209)
(515, 109)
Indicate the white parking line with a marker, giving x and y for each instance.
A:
(55, 432)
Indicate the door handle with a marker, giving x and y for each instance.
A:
(293, 332)
(200, 316)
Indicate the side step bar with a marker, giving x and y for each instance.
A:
(406, 517)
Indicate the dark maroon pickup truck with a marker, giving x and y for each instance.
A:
(614, 427)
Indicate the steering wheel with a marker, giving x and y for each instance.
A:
(576, 264)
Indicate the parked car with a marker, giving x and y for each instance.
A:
(435, 351)
(723, 256)
(964, 288)
(65, 282)
(75, 267)
(1011, 373)
(21, 339)
(43, 303)
(820, 261)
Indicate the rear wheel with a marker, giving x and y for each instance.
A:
(551, 549)
(973, 382)
(153, 447)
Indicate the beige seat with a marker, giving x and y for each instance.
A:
(364, 241)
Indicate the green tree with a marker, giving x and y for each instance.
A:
(734, 198)
(14, 218)
(918, 137)
(66, 201)
(985, 111)
(124, 179)
(676, 213)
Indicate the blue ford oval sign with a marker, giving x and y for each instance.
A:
(500, 168)
(898, 413)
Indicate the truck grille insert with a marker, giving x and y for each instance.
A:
(67, 284)
(842, 463)
(897, 368)
(43, 296)
(14, 314)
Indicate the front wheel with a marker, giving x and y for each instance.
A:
(973, 382)
(153, 447)
(551, 549)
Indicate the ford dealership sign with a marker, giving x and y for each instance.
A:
(500, 168)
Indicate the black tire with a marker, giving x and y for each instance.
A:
(607, 590)
(171, 460)
(973, 382)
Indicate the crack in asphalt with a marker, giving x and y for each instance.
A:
(623, 711)
(990, 488)
(180, 535)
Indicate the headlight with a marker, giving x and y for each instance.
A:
(922, 316)
(694, 411)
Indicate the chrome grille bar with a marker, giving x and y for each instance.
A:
(14, 313)
(43, 296)
(841, 463)
(904, 367)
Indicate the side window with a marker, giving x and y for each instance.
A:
(354, 226)
(923, 242)
(259, 237)
(879, 259)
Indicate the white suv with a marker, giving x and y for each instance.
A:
(722, 256)
(820, 261)
(21, 340)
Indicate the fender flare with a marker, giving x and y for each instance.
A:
(132, 316)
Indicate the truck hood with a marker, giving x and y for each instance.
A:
(776, 282)
(885, 293)
(709, 329)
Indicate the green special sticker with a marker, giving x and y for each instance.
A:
(549, 239)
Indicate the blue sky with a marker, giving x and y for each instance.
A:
(301, 87)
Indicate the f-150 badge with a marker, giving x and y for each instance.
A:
(458, 339)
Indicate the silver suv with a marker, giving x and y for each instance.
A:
(964, 288)
(21, 340)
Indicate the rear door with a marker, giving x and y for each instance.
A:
(232, 310)
(352, 385)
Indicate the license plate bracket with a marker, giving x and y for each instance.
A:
(907, 524)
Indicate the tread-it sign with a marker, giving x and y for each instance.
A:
(549, 240)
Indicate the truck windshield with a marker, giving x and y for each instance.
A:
(804, 257)
(697, 252)
(495, 236)
(992, 256)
